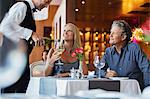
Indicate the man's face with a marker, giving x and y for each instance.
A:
(116, 35)
(42, 4)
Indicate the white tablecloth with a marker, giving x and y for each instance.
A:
(130, 87)
(34, 86)
(69, 87)
(66, 86)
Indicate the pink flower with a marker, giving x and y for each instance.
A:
(78, 53)
(79, 50)
(73, 54)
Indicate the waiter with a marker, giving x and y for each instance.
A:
(19, 26)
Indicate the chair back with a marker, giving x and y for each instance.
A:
(37, 69)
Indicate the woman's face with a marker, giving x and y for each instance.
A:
(115, 35)
(68, 33)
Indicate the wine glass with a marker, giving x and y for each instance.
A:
(60, 48)
(98, 64)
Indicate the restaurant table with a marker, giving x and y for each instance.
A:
(67, 86)
(24, 96)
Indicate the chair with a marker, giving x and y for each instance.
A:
(37, 69)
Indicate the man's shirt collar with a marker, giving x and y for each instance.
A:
(113, 49)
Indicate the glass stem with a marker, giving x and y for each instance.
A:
(99, 76)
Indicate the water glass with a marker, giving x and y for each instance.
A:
(98, 64)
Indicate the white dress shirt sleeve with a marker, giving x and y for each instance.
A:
(10, 25)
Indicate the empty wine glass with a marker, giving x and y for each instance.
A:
(96, 61)
(59, 47)
(98, 64)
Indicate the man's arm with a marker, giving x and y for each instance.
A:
(106, 72)
(144, 65)
(10, 25)
(142, 60)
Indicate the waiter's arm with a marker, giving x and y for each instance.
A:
(10, 25)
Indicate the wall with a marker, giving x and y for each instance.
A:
(4, 7)
(60, 20)
(36, 54)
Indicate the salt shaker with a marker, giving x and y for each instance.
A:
(72, 73)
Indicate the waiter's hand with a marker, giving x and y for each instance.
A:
(1, 39)
(111, 73)
(38, 40)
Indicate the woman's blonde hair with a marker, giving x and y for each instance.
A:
(76, 33)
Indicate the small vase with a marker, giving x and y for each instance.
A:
(80, 65)
(80, 70)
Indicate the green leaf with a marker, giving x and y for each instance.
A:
(147, 38)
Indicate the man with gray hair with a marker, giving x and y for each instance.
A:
(125, 58)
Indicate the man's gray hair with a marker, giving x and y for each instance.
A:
(125, 27)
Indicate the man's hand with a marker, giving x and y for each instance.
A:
(38, 41)
(111, 73)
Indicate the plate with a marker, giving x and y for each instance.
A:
(118, 78)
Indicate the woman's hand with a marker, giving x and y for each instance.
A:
(53, 56)
(62, 75)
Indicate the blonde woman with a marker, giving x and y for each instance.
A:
(70, 41)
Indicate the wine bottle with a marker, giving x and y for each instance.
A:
(46, 41)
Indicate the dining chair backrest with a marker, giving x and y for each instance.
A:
(37, 68)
